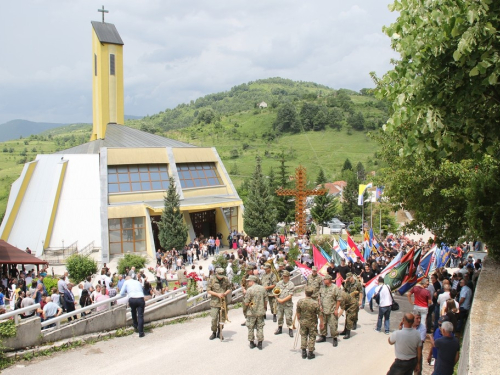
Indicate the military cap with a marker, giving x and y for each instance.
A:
(327, 277)
(252, 278)
(251, 266)
(219, 271)
(349, 274)
(286, 273)
(314, 268)
(309, 289)
(266, 266)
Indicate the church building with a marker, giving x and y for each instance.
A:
(108, 193)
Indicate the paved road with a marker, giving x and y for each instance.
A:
(185, 347)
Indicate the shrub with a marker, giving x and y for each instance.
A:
(131, 260)
(50, 282)
(79, 267)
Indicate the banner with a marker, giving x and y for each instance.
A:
(304, 270)
(361, 191)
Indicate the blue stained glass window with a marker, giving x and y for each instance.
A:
(127, 178)
(196, 175)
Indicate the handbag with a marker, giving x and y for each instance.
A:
(395, 305)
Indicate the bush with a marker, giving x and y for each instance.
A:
(79, 267)
(129, 261)
(50, 282)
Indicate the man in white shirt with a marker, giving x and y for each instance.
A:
(408, 348)
(135, 292)
(384, 308)
(163, 276)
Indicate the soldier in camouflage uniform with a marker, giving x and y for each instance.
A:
(355, 289)
(256, 302)
(329, 302)
(218, 287)
(281, 268)
(249, 272)
(269, 281)
(307, 313)
(349, 305)
(285, 304)
(315, 281)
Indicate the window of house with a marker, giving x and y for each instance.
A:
(197, 175)
(127, 235)
(112, 64)
(142, 177)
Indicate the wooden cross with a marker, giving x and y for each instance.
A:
(103, 11)
(300, 193)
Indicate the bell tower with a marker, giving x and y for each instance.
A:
(107, 77)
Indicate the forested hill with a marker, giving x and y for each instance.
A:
(316, 106)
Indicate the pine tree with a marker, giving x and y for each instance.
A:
(360, 170)
(173, 230)
(325, 206)
(350, 207)
(347, 165)
(260, 213)
(284, 205)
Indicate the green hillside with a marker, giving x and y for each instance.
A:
(329, 126)
(23, 128)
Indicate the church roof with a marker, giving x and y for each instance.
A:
(123, 136)
(107, 33)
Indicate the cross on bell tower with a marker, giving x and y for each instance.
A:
(300, 193)
(103, 11)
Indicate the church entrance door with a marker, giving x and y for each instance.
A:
(204, 223)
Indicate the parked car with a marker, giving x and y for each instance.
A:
(336, 222)
(334, 228)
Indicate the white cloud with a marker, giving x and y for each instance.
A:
(177, 51)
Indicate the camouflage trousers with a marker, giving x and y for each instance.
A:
(272, 304)
(287, 311)
(330, 320)
(214, 314)
(255, 323)
(308, 336)
(350, 314)
(356, 312)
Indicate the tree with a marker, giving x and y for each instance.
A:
(347, 165)
(284, 205)
(325, 206)
(357, 121)
(173, 231)
(287, 119)
(260, 217)
(80, 267)
(307, 114)
(360, 172)
(443, 127)
(350, 207)
(335, 118)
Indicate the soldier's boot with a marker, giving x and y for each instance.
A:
(212, 336)
(321, 339)
(347, 335)
(290, 332)
(243, 324)
(310, 355)
(304, 353)
(279, 331)
(259, 345)
(343, 332)
(252, 344)
(274, 318)
(354, 326)
(335, 342)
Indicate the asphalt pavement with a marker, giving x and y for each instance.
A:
(185, 347)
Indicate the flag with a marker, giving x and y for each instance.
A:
(421, 271)
(368, 251)
(325, 254)
(353, 248)
(362, 189)
(373, 283)
(319, 260)
(366, 237)
(323, 270)
(338, 253)
(304, 270)
(379, 192)
(411, 273)
(344, 253)
(444, 256)
(370, 239)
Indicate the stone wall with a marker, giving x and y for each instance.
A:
(480, 341)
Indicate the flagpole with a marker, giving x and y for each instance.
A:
(363, 216)
(371, 212)
(380, 223)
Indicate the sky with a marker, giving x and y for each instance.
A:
(177, 51)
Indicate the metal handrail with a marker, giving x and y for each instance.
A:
(195, 298)
(16, 313)
(173, 293)
(87, 250)
(58, 319)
